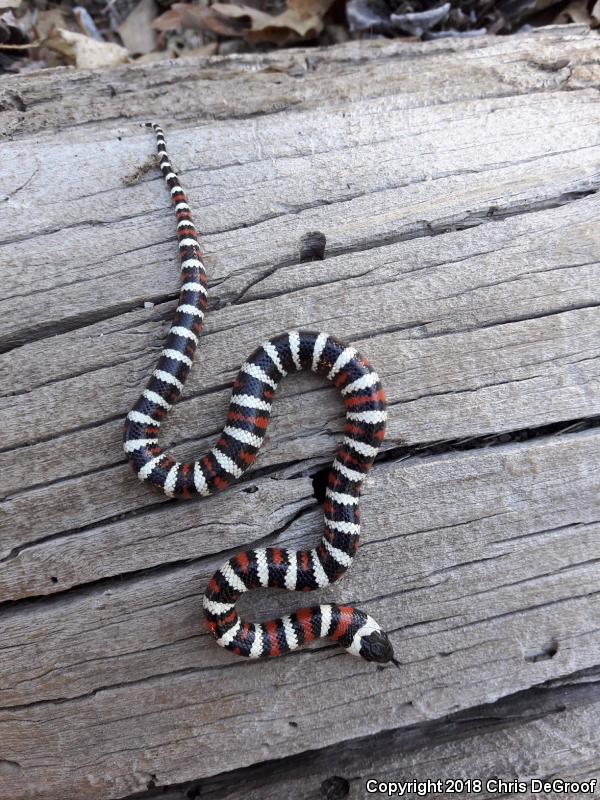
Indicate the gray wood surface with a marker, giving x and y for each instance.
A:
(456, 185)
(549, 733)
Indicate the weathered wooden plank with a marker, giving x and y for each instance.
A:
(253, 216)
(443, 284)
(66, 506)
(455, 184)
(418, 306)
(190, 89)
(435, 286)
(481, 564)
(86, 408)
(452, 369)
(247, 513)
(546, 734)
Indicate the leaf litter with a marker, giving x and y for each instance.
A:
(97, 33)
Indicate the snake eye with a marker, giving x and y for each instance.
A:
(377, 647)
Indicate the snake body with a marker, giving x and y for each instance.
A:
(237, 448)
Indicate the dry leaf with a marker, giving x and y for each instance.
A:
(47, 20)
(136, 32)
(170, 20)
(197, 18)
(576, 12)
(309, 8)
(366, 15)
(303, 19)
(86, 23)
(85, 52)
(416, 23)
(375, 16)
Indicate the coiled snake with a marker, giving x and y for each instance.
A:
(236, 450)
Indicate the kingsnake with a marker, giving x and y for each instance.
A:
(237, 448)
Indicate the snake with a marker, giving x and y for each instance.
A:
(248, 415)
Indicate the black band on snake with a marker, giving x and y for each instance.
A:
(237, 448)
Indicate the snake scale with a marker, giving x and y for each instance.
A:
(237, 448)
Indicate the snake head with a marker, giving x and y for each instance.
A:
(377, 647)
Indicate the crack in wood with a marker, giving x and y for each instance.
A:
(421, 229)
(169, 567)
(493, 352)
(378, 755)
(394, 455)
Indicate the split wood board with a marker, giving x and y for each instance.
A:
(455, 183)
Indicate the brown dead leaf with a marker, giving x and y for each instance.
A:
(309, 8)
(85, 52)
(136, 32)
(303, 19)
(243, 18)
(170, 20)
(576, 12)
(197, 18)
(47, 20)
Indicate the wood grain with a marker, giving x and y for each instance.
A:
(480, 567)
(480, 343)
(547, 734)
(456, 185)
